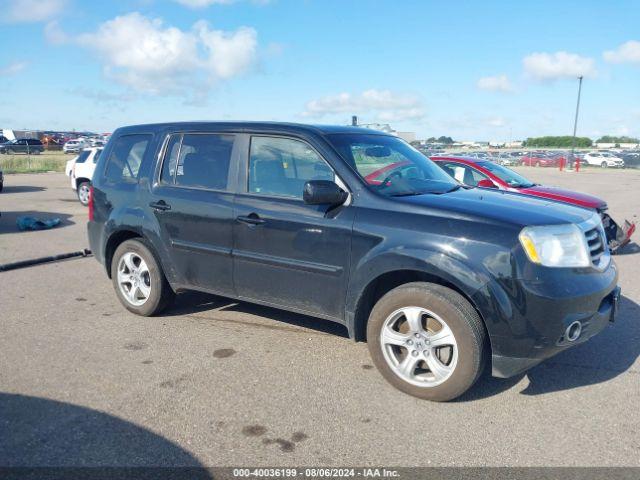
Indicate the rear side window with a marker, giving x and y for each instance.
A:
(126, 157)
(198, 160)
(83, 156)
(281, 166)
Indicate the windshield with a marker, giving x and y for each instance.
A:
(391, 166)
(506, 175)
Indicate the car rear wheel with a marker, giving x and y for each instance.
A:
(83, 193)
(139, 280)
(427, 341)
(604, 165)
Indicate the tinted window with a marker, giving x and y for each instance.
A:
(34, 142)
(83, 156)
(126, 157)
(97, 156)
(198, 160)
(281, 166)
(171, 158)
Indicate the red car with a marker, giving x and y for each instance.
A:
(543, 159)
(486, 174)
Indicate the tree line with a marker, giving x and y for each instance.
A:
(565, 141)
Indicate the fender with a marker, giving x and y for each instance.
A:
(135, 219)
(477, 284)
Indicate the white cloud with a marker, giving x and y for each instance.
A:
(151, 57)
(54, 34)
(12, 69)
(229, 53)
(628, 52)
(385, 104)
(498, 83)
(23, 11)
(496, 122)
(552, 66)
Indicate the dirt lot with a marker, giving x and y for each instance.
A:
(215, 382)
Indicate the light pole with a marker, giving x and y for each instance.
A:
(575, 122)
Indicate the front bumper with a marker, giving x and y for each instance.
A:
(542, 312)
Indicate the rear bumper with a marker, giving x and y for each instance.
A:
(95, 235)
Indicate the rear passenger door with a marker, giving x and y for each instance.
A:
(193, 203)
(287, 253)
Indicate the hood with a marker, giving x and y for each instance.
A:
(500, 206)
(567, 196)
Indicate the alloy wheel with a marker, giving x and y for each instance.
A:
(419, 346)
(134, 279)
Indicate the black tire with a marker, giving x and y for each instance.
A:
(161, 295)
(461, 318)
(604, 165)
(82, 192)
(1, 186)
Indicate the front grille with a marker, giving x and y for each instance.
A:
(597, 245)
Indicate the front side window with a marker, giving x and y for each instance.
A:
(390, 166)
(198, 160)
(463, 173)
(507, 175)
(126, 157)
(281, 166)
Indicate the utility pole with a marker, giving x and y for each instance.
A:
(575, 122)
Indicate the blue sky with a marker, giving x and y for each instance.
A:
(472, 70)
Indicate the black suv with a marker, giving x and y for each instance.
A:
(22, 145)
(356, 227)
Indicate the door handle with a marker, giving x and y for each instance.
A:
(160, 205)
(252, 219)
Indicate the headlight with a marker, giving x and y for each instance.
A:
(556, 245)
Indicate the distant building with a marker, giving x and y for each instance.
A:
(616, 145)
(386, 128)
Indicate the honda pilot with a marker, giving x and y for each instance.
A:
(440, 279)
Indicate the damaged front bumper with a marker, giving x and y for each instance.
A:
(617, 237)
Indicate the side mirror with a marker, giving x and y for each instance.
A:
(323, 192)
(486, 183)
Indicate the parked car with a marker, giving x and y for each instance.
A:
(477, 173)
(82, 172)
(68, 167)
(631, 159)
(603, 159)
(31, 146)
(74, 146)
(543, 159)
(507, 159)
(432, 274)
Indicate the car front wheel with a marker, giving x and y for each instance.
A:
(604, 165)
(139, 280)
(427, 341)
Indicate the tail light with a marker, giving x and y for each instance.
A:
(91, 203)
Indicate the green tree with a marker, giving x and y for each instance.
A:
(612, 139)
(565, 141)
